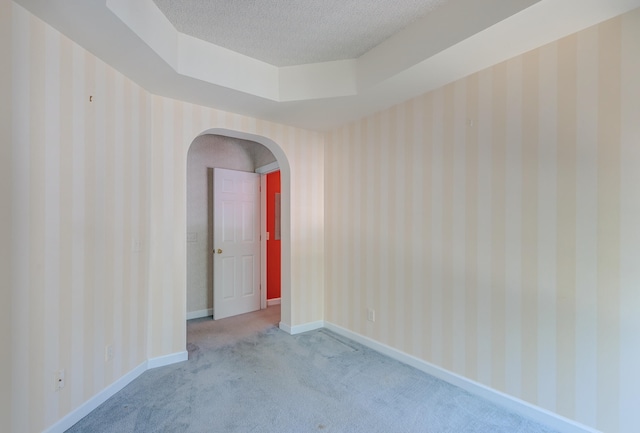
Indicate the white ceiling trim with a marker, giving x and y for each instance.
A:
(458, 31)
(195, 58)
(538, 25)
(326, 95)
(211, 63)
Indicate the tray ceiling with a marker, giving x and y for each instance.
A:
(295, 32)
(362, 60)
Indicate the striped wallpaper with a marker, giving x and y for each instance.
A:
(80, 202)
(98, 200)
(5, 213)
(493, 225)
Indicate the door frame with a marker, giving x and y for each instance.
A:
(263, 240)
(263, 171)
(285, 215)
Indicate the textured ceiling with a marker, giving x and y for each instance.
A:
(295, 32)
(455, 39)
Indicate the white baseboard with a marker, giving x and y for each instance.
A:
(84, 409)
(274, 301)
(306, 327)
(508, 402)
(200, 313)
(172, 358)
(299, 329)
(528, 410)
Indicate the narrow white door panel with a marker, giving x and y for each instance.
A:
(236, 241)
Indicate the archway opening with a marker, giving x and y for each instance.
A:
(244, 152)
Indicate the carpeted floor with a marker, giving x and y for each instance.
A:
(245, 375)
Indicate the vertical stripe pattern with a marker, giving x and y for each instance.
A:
(99, 204)
(629, 229)
(69, 200)
(491, 224)
(522, 220)
(6, 217)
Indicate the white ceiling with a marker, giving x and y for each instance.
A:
(295, 32)
(454, 39)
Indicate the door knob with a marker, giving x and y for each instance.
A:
(219, 251)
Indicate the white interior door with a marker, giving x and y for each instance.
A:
(236, 241)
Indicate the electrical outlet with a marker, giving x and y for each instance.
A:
(58, 377)
(108, 353)
(371, 315)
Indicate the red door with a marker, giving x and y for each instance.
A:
(273, 241)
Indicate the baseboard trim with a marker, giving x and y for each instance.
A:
(84, 409)
(286, 328)
(299, 329)
(528, 410)
(272, 302)
(200, 314)
(305, 327)
(172, 358)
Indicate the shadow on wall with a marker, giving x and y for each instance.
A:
(206, 153)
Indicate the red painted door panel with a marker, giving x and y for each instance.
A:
(273, 245)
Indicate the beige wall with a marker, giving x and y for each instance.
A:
(81, 200)
(5, 212)
(99, 237)
(493, 226)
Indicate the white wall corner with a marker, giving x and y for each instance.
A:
(508, 402)
(305, 327)
(172, 358)
(286, 328)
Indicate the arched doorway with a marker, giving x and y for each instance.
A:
(278, 153)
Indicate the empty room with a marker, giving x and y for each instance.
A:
(296, 216)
